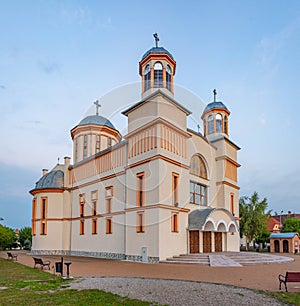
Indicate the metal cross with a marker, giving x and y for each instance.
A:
(156, 39)
(97, 107)
(215, 94)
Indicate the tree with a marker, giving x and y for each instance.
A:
(25, 237)
(253, 218)
(291, 225)
(7, 237)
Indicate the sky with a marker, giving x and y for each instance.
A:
(57, 57)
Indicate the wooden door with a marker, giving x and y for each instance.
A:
(194, 241)
(206, 242)
(218, 242)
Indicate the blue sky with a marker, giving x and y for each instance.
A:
(56, 57)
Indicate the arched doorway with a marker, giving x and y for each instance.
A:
(218, 242)
(219, 237)
(285, 246)
(276, 246)
(194, 242)
(206, 242)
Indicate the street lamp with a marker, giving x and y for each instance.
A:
(280, 220)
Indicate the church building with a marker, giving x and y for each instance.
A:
(158, 191)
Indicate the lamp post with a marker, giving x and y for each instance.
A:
(280, 226)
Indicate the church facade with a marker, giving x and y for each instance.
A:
(158, 191)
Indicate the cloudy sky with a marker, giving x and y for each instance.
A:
(57, 57)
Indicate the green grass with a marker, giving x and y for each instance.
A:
(292, 298)
(27, 286)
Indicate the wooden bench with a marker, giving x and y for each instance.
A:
(12, 256)
(41, 263)
(290, 277)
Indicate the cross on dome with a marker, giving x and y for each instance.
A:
(155, 35)
(97, 107)
(215, 94)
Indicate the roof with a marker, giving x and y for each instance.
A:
(157, 50)
(213, 105)
(197, 218)
(53, 179)
(97, 120)
(157, 92)
(283, 235)
(271, 224)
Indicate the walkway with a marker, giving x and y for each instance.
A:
(254, 276)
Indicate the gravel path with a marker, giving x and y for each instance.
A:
(173, 292)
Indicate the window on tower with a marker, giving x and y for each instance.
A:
(219, 120)
(147, 78)
(158, 75)
(210, 122)
(226, 125)
(168, 77)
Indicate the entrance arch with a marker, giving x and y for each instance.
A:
(276, 246)
(285, 246)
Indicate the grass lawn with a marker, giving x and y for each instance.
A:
(21, 285)
(293, 298)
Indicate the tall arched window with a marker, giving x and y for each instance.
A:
(168, 77)
(147, 78)
(197, 167)
(158, 75)
(226, 125)
(219, 120)
(210, 121)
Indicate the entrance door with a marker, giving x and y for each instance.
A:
(194, 241)
(218, 242)
(276, 246)
(206, 242)
(285, 246)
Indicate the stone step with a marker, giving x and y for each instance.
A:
(185, 262)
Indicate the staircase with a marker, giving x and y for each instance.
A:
(228, 259)
(200, 259)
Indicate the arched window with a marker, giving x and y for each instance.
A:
(147, 78)
(219, 120)
(197, 167)
(210, 121)
(226, 125)
(158, 75)
(168, 77)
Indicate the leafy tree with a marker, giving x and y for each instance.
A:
(7, 237)
(253, 218)
(264, 237)
(25, 237)
(291, 225)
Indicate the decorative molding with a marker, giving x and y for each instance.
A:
(228, 184)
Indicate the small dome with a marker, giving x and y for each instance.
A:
(97, 120)
(157, 50)
(213, 105)
(53, 179)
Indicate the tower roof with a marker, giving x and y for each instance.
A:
(157, 50)
(97, 120)
(214, 105)
(53, 179)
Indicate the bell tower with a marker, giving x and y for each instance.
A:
(215, 119)
(157, 69)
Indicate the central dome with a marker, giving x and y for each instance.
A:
(157, 50)
(97, 120)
